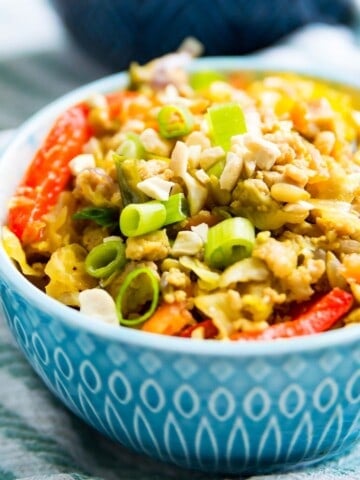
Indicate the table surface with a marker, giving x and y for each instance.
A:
(39, 438)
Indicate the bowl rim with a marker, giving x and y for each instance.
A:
(213, 348)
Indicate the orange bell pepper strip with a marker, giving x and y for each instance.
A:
(321, 316)
(48, 174)
(169, 319)
(115, 101)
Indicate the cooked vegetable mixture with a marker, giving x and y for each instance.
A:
(203, 205)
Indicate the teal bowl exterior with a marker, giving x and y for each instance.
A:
(218, 407)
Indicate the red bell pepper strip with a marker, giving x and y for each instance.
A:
(209, 329)
(321, 316)
(48, 173)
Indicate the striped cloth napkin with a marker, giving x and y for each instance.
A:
(39, 438)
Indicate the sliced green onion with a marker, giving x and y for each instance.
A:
(204, 78)
(229, 241)
(176, 208)
(140, 287)
(225, 121)
(221, 212)
(131, 147)
(104, 216)
(105, 259)
(217, 168)
(140, 218)
(104, 282)
(128, 177)
(174, 121)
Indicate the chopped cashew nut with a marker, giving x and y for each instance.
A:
(81, 162)
(156, 187)
(98, 304)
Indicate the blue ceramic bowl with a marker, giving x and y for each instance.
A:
(115, 32)
(217, 407)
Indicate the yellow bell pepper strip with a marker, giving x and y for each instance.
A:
(321, 316)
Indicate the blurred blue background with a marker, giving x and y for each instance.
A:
(116, 32)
